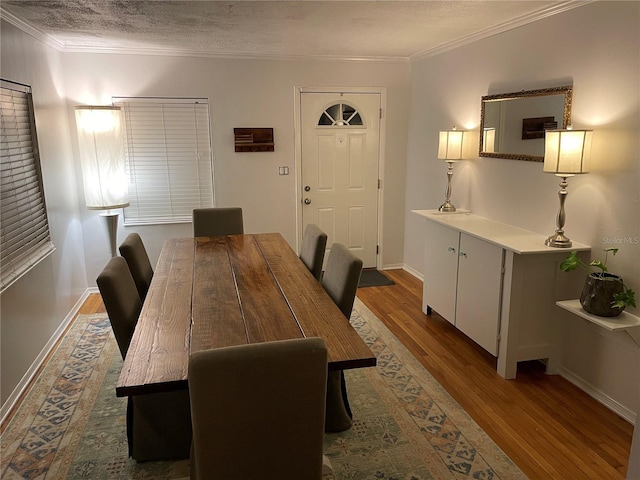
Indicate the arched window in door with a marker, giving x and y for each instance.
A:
(340, 115)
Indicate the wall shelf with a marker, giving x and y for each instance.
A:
(624, 322)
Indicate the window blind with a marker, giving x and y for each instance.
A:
(169, 163)
(24, 228)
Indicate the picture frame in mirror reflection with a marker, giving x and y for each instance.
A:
(512, 124)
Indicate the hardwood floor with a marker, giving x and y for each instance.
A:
(547, 426)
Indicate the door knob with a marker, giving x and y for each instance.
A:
(307, 188)
(307, 201)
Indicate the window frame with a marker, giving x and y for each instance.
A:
(140, 169)
(341, 122)
(25, 235)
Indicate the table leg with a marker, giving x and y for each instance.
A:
(338, 413)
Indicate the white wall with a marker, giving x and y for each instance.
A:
(242, 93)
(596, 48)
(37, 304)
(245, 93)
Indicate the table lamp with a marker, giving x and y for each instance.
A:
(450, 150)
(566, 153)
(102, 159)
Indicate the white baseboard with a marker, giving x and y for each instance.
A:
(598, 395)
(405, 267)
(413, 272)
(8, 405)
(396, 266)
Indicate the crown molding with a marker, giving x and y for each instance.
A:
(31, 30)
(173, 52)
(501, 28)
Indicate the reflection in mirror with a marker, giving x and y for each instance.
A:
(512, 125)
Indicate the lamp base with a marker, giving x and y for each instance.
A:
(111, 222)
(558, 240)
(447, 207)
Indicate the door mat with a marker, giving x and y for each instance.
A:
(373, 278)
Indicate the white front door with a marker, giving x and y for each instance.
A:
(340, 149)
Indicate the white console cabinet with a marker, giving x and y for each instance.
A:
(466, 289)
(496, 283)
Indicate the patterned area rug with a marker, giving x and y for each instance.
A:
(406, 427)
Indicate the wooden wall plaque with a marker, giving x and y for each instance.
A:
(253, 139)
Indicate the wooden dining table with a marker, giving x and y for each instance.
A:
(212, 292)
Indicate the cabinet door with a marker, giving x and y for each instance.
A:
(479, 291)
(441, 269)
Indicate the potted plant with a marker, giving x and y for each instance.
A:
(604, 294)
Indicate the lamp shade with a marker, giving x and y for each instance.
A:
(102, 157)
(567, 151)
(450, 146)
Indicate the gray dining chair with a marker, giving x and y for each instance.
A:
(340, 280)
(159, 424)
(341, 277)
(211, 222)
(133, 251)
(121, 300)
(258, 410)
(314, 244)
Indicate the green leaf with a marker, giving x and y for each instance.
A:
(599, 264)
(570, 263)
(624, 299)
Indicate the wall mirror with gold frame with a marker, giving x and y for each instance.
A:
(512, 125)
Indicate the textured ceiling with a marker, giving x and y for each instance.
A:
(347, 29)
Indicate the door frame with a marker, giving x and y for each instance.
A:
(298, 91)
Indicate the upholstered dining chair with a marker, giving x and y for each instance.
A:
(258, 410)
(133, 251)
(340, 280)
(121, 300)
(159, 424)
(314, 244)
(341, 277)
(210, 222)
